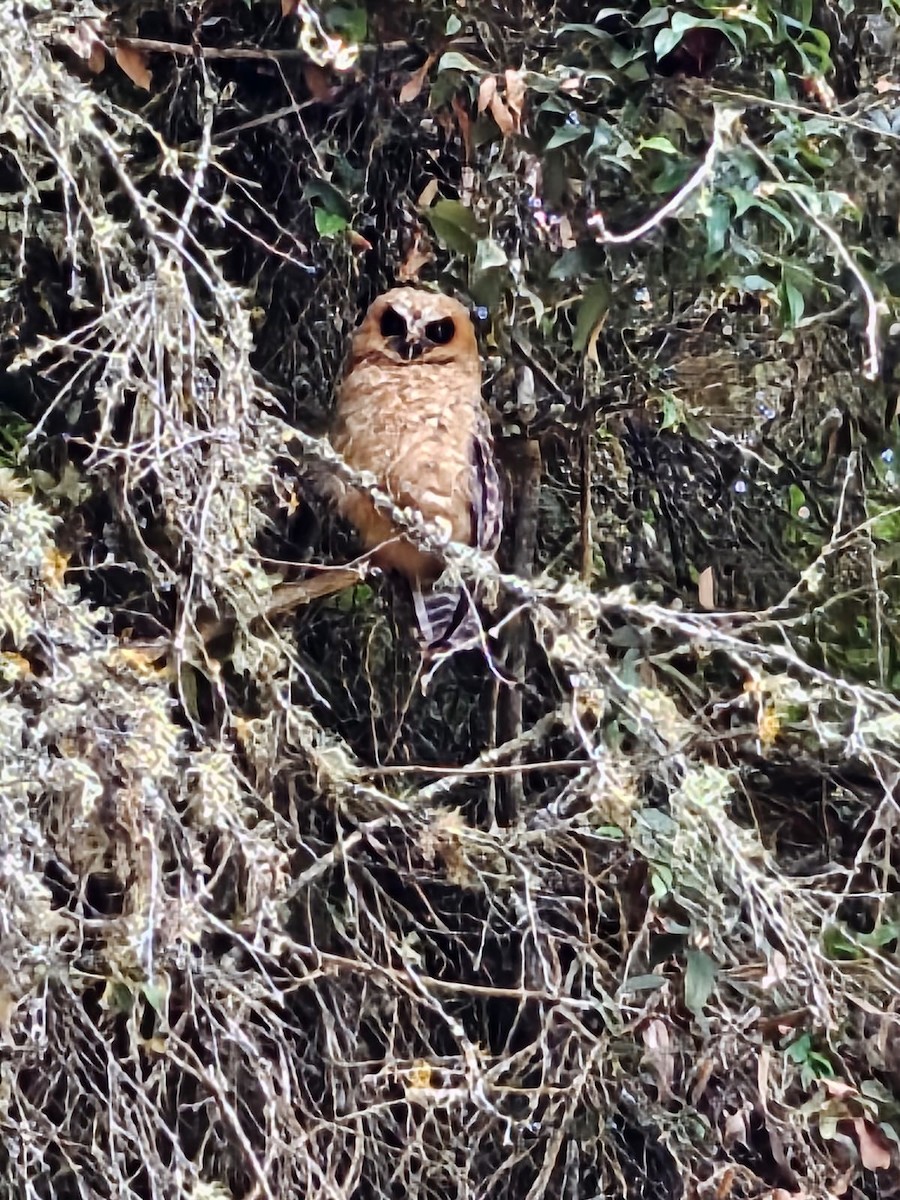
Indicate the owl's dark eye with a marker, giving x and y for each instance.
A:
(440, 332)
(392, 324)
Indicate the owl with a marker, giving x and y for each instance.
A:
(409, 410)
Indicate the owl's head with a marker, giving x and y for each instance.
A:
(408, 325)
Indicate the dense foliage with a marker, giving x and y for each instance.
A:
(284, 911)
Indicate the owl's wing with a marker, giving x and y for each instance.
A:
(449, 618)
(487, 499)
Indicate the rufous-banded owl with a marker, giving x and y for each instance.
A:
(410, 411)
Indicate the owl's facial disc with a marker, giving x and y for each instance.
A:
(410, 338)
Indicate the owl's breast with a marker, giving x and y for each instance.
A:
(413, 427)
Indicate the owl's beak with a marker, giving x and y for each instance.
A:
(409, 347)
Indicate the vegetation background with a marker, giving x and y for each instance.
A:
(276, 919)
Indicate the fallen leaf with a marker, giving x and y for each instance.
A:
(134, 64)
(416, 81)
(873, 1148)
(357, 241)
(288, 7)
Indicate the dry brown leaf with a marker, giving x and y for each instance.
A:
(288, 7)
(762, 1078)
(134, 64)
(874, 1150)
(724, 1186)
(503, 117)
(416, 81)
(659, 1053)
(357, 241)
(12, 665)
(84, 40)
(286, 596)
(701, 1079)
(487, 89)
(464, 123)
(420, 1074)
(417, 256)
(777, 970)
(837, 1087)
(841, 1185)
(317, 81)
(96, 60)
(591, 353)
(515, 94)
(567, 238)
(736, 1129)
(427, 195)
(706, 588)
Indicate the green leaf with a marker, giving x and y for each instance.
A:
(601, 35)
(586, 259)
(774, 211)
(454, 61)
(682, 22)
(565, 134)
(665, 42)
(660, 882)
(667, 39)
(117, 997)
(657, 142)
(643, 983)
(757, 283)
(672, 411)
(656, 16)
(718, 223)
(594, 303)
(329, 224)
(699, 981)
(489, 255)
(330, 198)
(454, 225)
(745, 17)
(792, 301)
(353, 23)
(157, 995)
